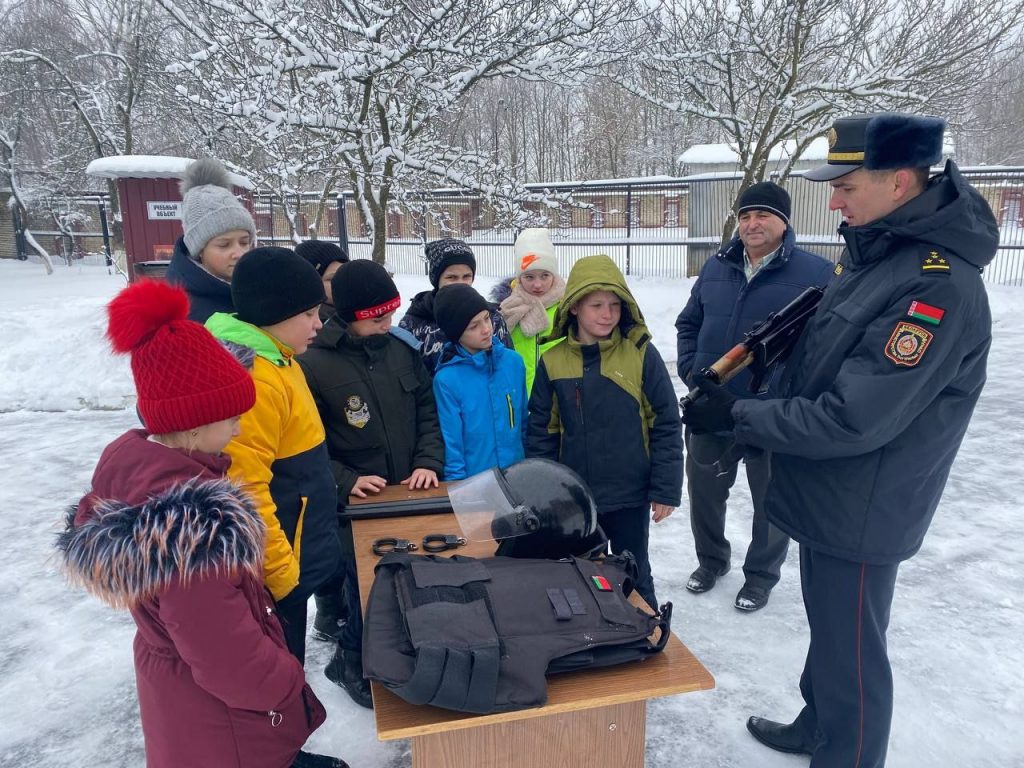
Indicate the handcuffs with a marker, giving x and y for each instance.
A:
(433, 543)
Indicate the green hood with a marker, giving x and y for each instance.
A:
(598, 273)
(227, 327)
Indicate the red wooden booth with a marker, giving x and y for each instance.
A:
(147, 187)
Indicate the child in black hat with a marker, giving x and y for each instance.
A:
(377, 406)
(279, 457)
(327, 258)
(479, 386)
(449, 262)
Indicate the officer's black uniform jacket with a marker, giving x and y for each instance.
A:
(880, 399)
(376, 402)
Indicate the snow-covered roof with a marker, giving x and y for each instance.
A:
(149, 167)
(713, 154)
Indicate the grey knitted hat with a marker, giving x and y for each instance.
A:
(209, 207)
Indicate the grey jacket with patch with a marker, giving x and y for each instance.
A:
(877, 398)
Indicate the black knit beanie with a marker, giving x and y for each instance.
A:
(272, 284)
(364, 290)
(321, 254)
(441, 254)
(455, 306)
(765, 196)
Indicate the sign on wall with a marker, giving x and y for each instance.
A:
(162, 211)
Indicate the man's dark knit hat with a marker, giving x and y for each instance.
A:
(272, 284)
(364, 290)
(321, 254)
(441, 254)
(765, 196)
(455, 306)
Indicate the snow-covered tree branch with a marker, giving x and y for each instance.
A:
(360, 84)
(763, 72)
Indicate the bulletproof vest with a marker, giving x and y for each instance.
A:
(479, 635)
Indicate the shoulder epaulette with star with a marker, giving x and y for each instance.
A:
(934, 263)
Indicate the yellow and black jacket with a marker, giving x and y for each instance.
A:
(280, 459)
(608, 410)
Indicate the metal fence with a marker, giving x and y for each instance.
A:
(659, 228)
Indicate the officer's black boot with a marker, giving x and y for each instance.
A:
(782, 737)
(330, 617)
(346, 670)
(310, 760)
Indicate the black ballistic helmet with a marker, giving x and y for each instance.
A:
(535, 508)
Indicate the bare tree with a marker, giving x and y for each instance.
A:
(766, 71)
(361, 83)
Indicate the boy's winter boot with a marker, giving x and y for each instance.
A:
(330, 617)
(346, 670)
(309, 760)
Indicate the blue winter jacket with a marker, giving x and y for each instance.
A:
(206, 294)
(481, 403)
(723, 305)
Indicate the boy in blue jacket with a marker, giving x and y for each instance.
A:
(479, 386)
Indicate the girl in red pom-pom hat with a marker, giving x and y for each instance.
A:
(165, 535)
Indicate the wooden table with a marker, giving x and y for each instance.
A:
(593, 718)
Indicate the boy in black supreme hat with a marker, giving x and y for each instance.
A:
(874, 404)
(377, 406)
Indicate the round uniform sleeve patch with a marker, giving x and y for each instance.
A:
(907, 344)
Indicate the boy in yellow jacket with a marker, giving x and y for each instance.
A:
(280, 457)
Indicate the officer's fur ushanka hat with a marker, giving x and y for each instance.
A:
(879, 142)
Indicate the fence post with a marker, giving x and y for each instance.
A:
(270, 204)
(629, 222)
(106, 234)
(19, 235)
(342, 222)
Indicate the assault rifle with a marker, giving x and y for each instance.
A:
(763, 347)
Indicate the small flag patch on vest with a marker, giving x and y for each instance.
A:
(925, 312)
(601, 583)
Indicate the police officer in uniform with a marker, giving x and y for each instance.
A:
(875, 402)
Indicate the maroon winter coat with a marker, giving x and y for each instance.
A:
(164, 535)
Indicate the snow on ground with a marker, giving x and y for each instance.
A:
(67, 695)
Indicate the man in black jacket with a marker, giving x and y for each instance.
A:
(757, 273)
(874, 404)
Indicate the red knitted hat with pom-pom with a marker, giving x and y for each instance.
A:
(183, 376)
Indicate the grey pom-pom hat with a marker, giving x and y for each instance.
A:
(209, 208)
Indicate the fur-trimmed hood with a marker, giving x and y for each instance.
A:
(127, 553)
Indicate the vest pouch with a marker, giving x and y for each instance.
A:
(611, 602)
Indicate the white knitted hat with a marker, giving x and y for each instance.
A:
(534, 251)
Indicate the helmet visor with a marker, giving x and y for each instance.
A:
(487, 509)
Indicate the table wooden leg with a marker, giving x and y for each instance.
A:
(605, 737)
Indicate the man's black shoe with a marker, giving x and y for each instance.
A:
(782, 737)
(750, 598)
(346, 670)
(703, 579)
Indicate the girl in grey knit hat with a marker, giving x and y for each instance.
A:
(218, 230)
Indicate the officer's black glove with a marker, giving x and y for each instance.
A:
(712, 412)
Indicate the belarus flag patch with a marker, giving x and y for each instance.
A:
(926, 313)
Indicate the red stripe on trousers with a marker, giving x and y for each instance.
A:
(860, 675)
